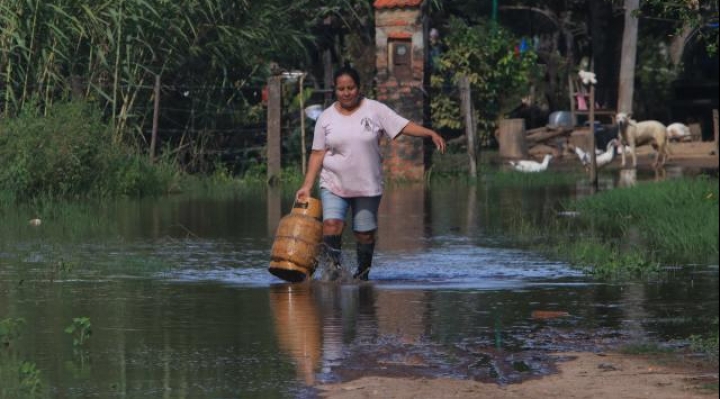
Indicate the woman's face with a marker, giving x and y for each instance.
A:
(346, 91)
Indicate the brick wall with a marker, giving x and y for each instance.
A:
(402, 92)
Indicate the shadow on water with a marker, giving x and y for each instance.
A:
(182, 305)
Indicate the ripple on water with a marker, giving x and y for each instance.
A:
(454, 266)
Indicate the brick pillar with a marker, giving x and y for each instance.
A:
(400, 62)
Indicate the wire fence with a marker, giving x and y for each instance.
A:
(202, 127)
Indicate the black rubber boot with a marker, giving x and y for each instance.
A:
(364, 260)
(333, 251)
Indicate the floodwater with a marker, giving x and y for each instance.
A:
(182, 306)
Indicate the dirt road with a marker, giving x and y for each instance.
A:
(586, 376)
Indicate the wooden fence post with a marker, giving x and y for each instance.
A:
(156, 118)
(511, 138)
(593, 156)
(628, 57)
(303, 150)
(274, 115)
(470, 125)
(716, 128)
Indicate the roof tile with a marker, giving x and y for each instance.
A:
(397, 3)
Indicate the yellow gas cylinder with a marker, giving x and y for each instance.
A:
(297, 242)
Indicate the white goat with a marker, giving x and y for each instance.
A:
(678, 132)
(635, 134)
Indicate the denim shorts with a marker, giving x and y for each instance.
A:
(364, 210)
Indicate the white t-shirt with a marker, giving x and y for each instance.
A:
(353, 164)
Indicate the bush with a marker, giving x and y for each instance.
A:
(68, 152)
(499, 76)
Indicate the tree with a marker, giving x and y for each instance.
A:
(498, 74)
(629, 55)
(692, 18)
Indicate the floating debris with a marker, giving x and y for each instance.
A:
(569, 214)
(548, 314)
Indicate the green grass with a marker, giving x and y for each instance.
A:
(646, 348)
(514, 178)
(709, 343)
(674, 222)
(631, 231)
(19, 379)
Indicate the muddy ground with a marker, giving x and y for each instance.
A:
(693, 154)
(698, 154)
(579, 376)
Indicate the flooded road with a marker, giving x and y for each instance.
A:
(182, 306)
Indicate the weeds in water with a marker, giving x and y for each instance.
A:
(677, 221)
(30, 381)
(513, 178)
(18, 379)
(10, 329)
(602, 260)
(646, 348)
(632, 231)
(709, 344)
(638, 229)
(81, 330)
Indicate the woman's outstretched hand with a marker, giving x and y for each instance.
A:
(439, 142)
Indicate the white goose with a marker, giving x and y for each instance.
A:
(583, 156)
(602, 158)
(609, 154)
(531, 166)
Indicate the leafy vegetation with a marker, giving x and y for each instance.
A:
(498, 76)
(68, 152)
(631, 231)
(638, 229)
(18, 379)
(513, 178)
(689, 14)
(655, 74)
(677, 218)
(709, 343)
(80, 330)
(10, 330)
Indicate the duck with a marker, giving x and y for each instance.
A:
(602, 158)
(532, 166)
(609, 154)
(582, 155)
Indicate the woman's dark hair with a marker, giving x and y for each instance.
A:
(349, 71)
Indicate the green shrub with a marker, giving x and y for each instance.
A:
(58, 153)
(68, 152)
(498, 77)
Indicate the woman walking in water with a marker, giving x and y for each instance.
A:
(346, 157)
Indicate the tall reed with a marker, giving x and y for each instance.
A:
(110, 52)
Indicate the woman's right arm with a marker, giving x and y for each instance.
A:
(314, 166)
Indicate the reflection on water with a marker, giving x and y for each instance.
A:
(182, 305)
(298, 327)
(628, 178)
(402, 219)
